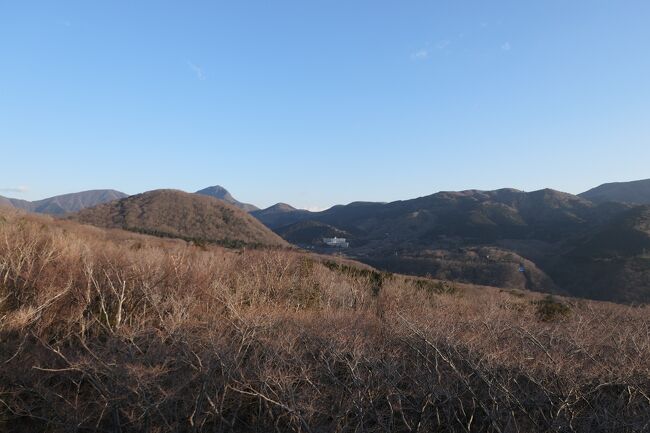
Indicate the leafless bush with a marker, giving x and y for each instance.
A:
(106, 331)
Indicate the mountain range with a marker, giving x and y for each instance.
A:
(594, 245)
(73, 202)
(543, 240)
(634, 192)
(62, 204)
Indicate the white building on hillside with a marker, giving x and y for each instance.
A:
(336, 242)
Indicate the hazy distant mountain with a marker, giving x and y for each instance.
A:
(222, 194)
(279, 207)
(280, 214)
(179, 214)
(636, 192)
(62, 204)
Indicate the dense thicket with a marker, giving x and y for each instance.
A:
(119, 332)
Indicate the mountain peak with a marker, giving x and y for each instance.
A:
(281, 207)
(217, 191)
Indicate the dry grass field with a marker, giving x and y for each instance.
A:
(109, 331)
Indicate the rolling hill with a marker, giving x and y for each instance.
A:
(635, 192)
(183, 215)
(62, 204)
(222, 194)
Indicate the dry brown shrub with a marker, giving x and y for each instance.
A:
(110, 331)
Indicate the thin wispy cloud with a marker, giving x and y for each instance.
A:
(17, 189)
(420, 54)
(198, 71)
(430, 49)
(506, 46)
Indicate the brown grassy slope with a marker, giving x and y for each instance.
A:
(5, 202)
(179, 214)
(112, 331)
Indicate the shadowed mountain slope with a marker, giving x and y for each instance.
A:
(179, 214)
(477, 215)
(486, 237)
(310, 232)
(222, 194)
(636, 192)
(611, 262)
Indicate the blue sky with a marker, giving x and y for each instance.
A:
(321, 102)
